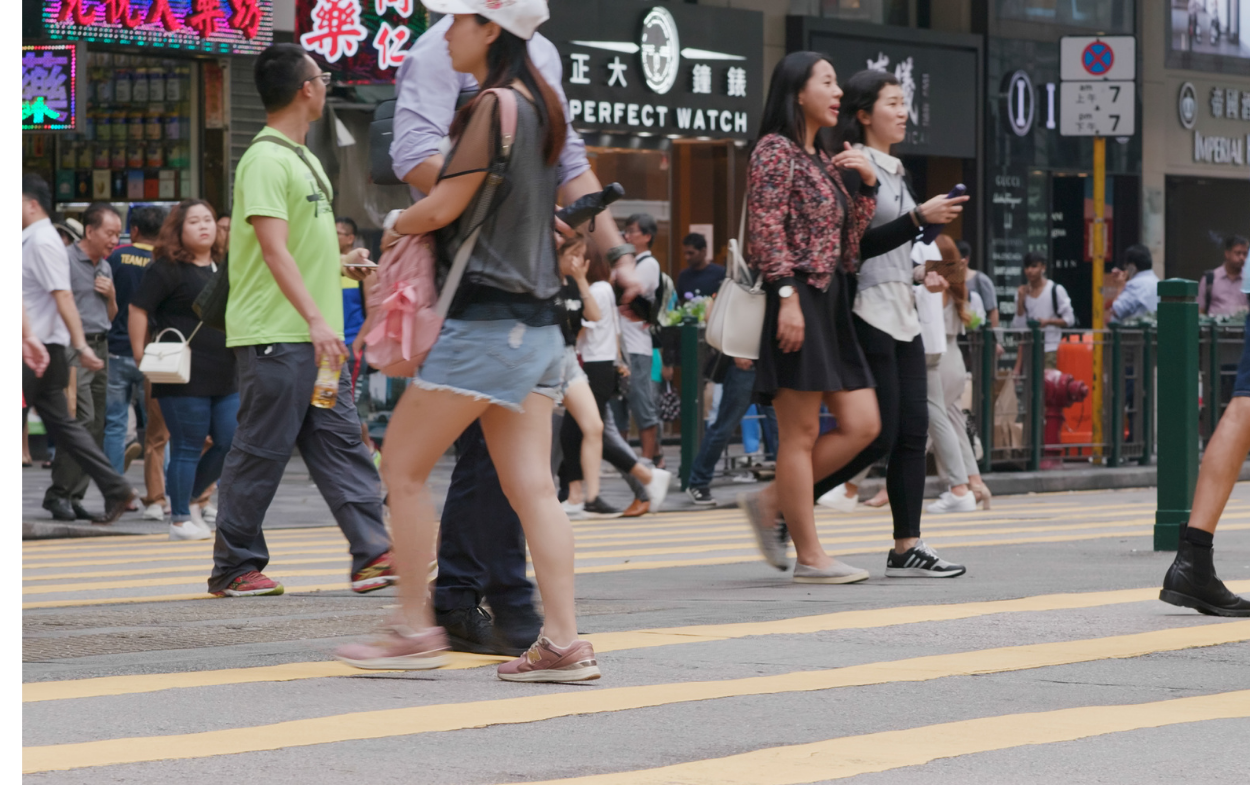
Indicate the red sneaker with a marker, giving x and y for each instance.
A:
(377, 574)
(398, 649)
(250, 584)
(545, 662)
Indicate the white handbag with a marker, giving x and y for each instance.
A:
(168, 363)
(736, 321)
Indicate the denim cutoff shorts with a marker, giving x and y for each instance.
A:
(573, 372)
(1242, 388)
(500, 361)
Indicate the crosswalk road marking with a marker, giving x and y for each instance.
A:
(850, 756)
(615, 641)
(476, 714)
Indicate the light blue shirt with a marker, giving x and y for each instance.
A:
(427, 88)
(1140, 297)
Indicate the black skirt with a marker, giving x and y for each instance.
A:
(830, 359)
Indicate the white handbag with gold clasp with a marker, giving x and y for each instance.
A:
(168, 363)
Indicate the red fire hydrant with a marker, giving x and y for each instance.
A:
(1062, 391)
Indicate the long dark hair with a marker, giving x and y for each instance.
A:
(169, 242)
(860, 93)
(782, 113)
(508, 60)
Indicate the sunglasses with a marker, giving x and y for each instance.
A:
(324, 76)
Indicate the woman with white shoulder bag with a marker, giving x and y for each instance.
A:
(207, 402)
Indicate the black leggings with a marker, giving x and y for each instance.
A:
(602, 378)
(902, 394)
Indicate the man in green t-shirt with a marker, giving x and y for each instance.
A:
(284, 320)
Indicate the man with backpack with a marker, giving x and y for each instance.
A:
(1045, 302)
(284, 321)
(1220, 290)
(477, 517)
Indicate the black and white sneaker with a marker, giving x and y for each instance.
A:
(920, 562)
(598, 508)
(701, 496)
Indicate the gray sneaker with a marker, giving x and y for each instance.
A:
(838, 572)
(771, 546)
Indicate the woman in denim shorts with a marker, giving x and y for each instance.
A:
(500, 356)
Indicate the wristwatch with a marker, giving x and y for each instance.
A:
(785, 292)
(617, 251)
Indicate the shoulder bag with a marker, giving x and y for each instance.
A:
(736, 321)
(405, 306)
(168, 363)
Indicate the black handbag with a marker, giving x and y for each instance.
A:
(210, 305)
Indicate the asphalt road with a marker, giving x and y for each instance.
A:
(1050, 661)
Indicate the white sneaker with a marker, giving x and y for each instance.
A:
(573, 509)
(197, 517)
(188, 531)
(838, 500)
(210, 513)
(949, 502)
(154, 512)
(657, 489)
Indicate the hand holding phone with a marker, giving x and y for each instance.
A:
(940, 211)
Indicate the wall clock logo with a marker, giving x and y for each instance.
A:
(1187, 106)
(660, 50)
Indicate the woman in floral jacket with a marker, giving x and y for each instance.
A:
(805, 232)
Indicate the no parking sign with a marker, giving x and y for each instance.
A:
(1098, 96)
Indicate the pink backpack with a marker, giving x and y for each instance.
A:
(405, 306)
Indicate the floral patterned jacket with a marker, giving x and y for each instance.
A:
(795, 218)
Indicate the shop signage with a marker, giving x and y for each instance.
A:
(636, 68)
(1223, 103)
(219, 26)
(360, 41)
(939, 75)
(1021, 103)
(1097, 91)
(50, 82)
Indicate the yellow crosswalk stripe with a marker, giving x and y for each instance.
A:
(477, 714)
(621, 641)
(850, 756)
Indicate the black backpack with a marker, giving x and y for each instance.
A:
(382, 133)
(1209, 279)
(1054, 303)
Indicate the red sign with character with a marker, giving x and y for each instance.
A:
(222, 26)
(360, 41)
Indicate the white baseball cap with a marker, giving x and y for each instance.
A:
(519, 17)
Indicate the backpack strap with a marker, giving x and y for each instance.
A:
(1054, 297)
(1209, 279)
(280, 142)
(507, 127)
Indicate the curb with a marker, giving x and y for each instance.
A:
(44, 530)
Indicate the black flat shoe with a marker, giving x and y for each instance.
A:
(1191, 582)
(61, 509)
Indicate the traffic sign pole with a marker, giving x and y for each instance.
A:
(1100, 253)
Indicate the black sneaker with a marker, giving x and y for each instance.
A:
(516, 629)
(920, 562)
(598, 508)
(701, 496)
(468, 629)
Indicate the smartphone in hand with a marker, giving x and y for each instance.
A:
(931, 231)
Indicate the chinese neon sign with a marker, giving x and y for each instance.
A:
(50, 87)
(219, 26)
(362, 41)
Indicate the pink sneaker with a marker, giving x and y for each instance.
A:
(545, 662)
(398, 649)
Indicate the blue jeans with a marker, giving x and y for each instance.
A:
(190, 421)
(734, 401)
(125, 385)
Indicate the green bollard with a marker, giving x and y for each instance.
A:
(1116, 420)
(689, 398)
(1178, 407)
(1037, 402)
(1213, 389)
(988, 377)
(1147, 381)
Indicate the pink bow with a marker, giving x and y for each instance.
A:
(398, 312)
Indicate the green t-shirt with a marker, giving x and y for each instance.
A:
(272, 182)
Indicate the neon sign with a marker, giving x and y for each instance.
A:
(50, 87)
(361, 41)
(218, 26)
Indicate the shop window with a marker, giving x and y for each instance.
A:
(1106, 15)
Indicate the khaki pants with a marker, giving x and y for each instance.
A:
(154, 440)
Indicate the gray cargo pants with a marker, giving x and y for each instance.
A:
(275, 415)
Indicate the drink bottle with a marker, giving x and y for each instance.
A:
(326, 390)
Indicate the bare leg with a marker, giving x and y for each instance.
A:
(575, 492)
(430, 421)
(580, 402)
(519, 444)
(798, 426)
(1221, 465)
(859, 422)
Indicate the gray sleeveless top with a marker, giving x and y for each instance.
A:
(893, 200)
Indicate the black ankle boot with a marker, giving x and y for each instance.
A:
(1191, 582)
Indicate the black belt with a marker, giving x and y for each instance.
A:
(96, 336)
